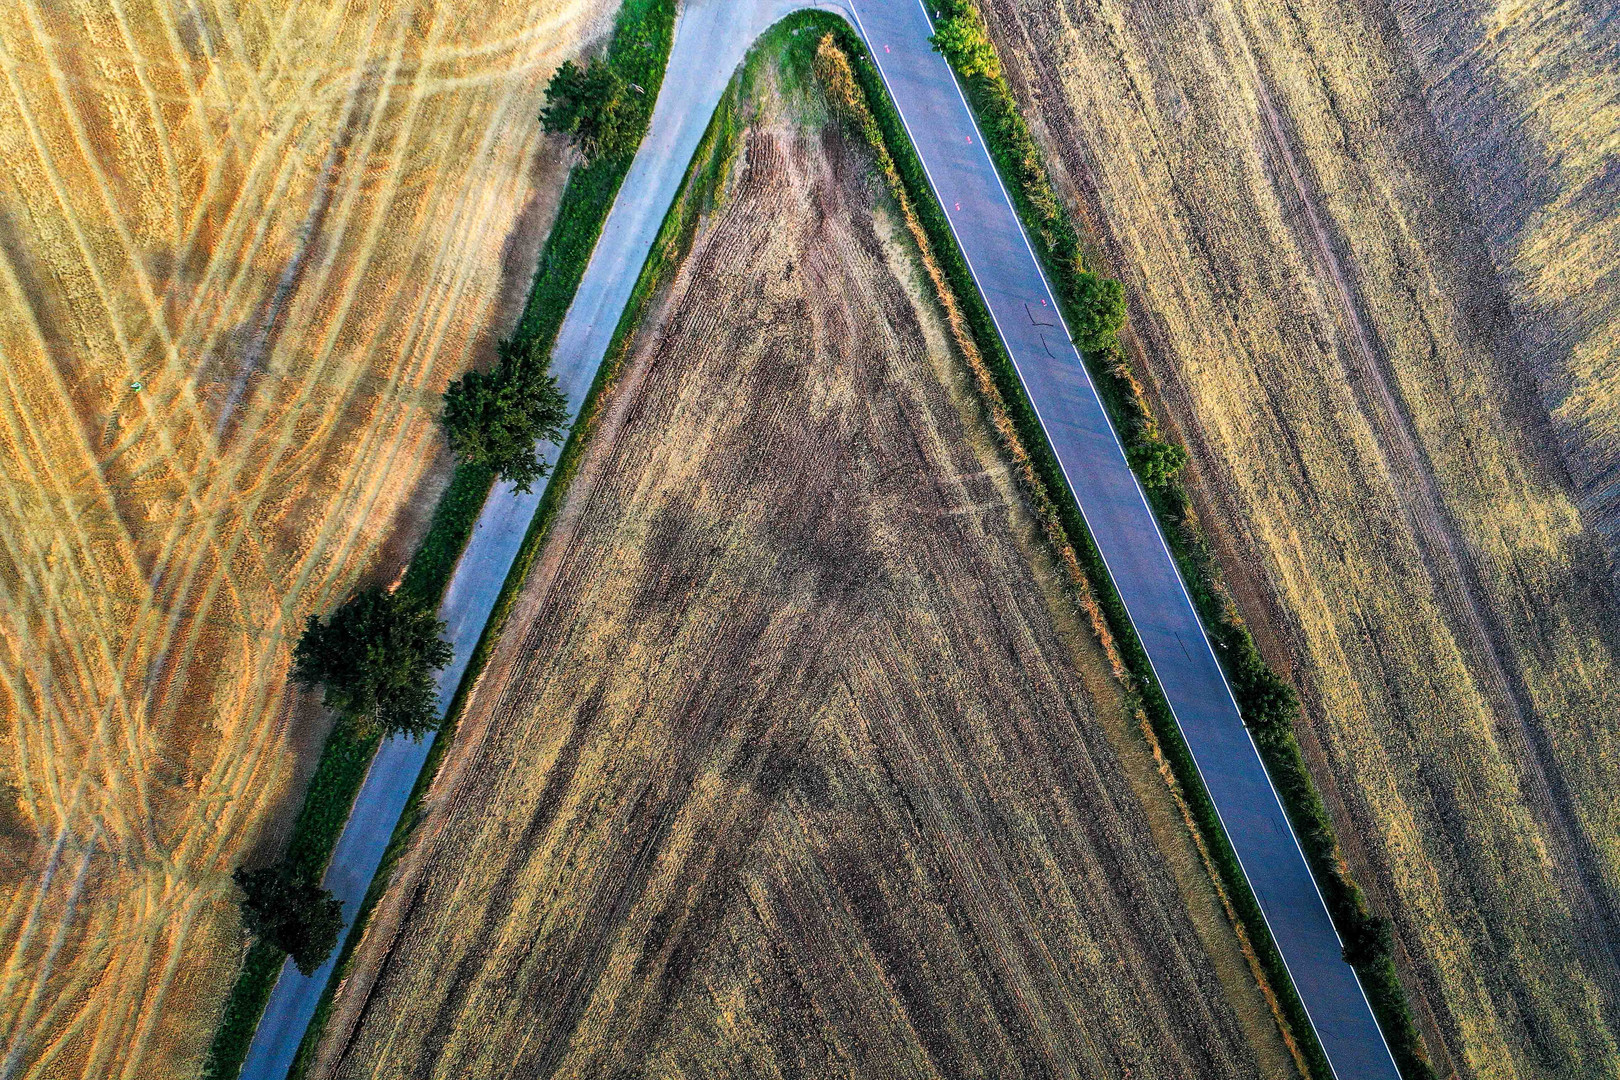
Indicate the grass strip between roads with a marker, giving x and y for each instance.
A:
(639, 50)
(697, 193)
(1058, 243)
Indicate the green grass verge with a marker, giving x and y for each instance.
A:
(639, 49)
(1059, 245)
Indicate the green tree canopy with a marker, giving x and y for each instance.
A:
(295, 915)
(595, 107)
(376, 658)
(1157, 462)
(1370, 943)
(962, 40)
(1099, 304)
(1267, 702)
(497, 418)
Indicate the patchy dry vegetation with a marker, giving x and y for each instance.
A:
(243, 248)
(796, 757)
(1323, 322)
(1526, 101)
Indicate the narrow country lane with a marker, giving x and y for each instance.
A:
(1093, 461)
(711, 38)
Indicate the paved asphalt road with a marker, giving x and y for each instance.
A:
(711, 39)
(1094, 463)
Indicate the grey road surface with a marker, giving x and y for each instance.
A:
(1094, 463)
(712, 37)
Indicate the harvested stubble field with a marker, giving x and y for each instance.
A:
(1526, 101)
(243, 246)
(794, 758)
(1323, 320)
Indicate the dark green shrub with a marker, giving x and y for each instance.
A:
(1268, 703)
(596, 107)
(376, 659)
(1099, 306)
(496, 418)
(965, 44)
(1370, 942)
(292, 913)
(1157, 462)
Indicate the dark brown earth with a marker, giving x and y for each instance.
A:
(787, 763)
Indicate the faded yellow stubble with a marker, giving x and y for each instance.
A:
(243, 247)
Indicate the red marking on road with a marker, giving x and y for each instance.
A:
(887, 49)
(959, 207)
(968, 139)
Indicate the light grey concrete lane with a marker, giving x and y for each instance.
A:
(1010, 278)
(712, 36)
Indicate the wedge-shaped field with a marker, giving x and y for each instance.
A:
(793, 759)
(243, 247)
(1320, 311)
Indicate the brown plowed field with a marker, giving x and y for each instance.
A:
(1323, 320)
(793, 760)
(243, 246)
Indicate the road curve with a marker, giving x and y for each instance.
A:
(711, 38)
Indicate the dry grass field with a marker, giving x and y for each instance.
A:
(1322, 316)
(794, 760)
(243, 246)
(1526, 101)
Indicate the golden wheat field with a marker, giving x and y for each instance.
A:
(794, 758)
(1526, 102)
(1319, 306)
(243, 247)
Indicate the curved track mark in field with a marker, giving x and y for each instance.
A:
(308, 234)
